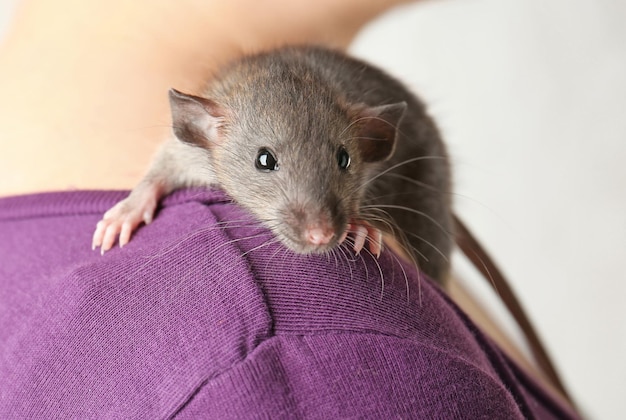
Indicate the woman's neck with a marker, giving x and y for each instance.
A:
(84, 94)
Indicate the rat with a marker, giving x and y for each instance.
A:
(318, 146)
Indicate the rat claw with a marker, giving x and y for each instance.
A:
(109, 238)
(376, 245)
(98, 235)
(360, 233)
(344, 235)
(125, 233)
(148, 215)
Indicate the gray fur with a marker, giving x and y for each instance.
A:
(303, 103)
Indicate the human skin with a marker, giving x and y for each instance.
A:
(84, 83)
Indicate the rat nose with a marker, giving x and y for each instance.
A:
(318, 235)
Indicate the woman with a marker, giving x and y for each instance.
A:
(198, 317)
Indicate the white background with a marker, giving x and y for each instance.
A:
(531, 98)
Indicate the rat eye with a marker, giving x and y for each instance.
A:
(343, 159)
(265, 161)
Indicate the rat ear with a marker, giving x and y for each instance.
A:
(378, 129)
(195, 120)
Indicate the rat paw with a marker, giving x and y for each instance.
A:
(122, 219)
(361, 231)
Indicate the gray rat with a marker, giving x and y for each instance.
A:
(318, 146)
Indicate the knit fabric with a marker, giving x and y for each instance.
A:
(203, 315)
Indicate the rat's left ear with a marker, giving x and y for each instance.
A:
(378, 130)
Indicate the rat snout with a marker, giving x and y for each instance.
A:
(317, 228)
(311, 227)
(319, 234)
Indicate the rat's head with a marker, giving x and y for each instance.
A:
(295, 157)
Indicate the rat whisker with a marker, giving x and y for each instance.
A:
(241, 239)
(274, 254)
(421, 213)
(357, 257)
(397, 165)
(371, 117)
(347, 259)
(366, 138)
(263, 245)
(406, 279)
(416, 182)
(380, 270)
(427, 242)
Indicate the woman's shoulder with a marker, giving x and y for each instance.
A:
(202, 305)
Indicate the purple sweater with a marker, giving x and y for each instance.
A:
(203, 315)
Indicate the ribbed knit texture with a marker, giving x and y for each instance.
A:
(203, 315)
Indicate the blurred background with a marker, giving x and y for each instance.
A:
(531, 98)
